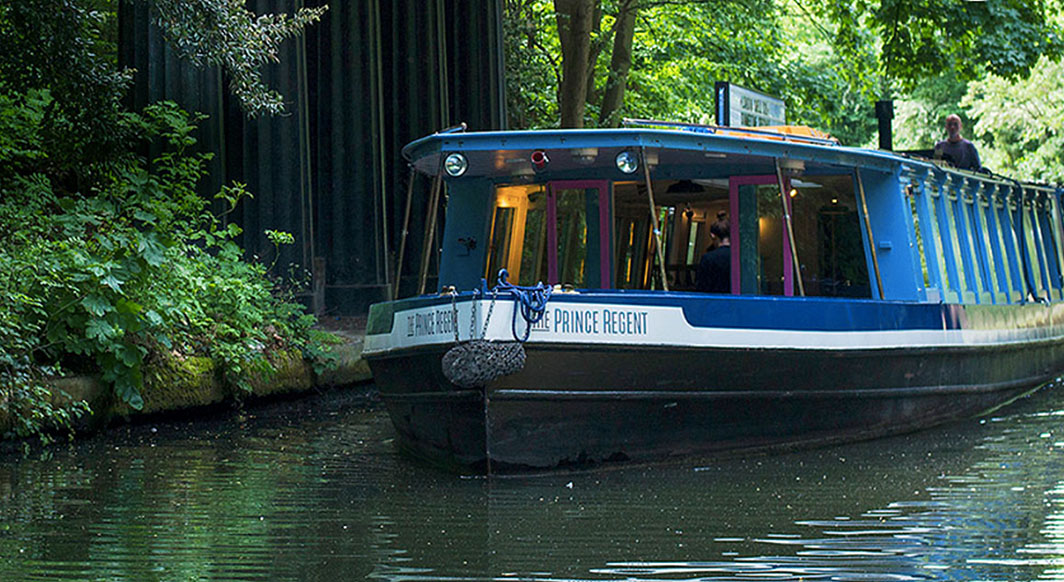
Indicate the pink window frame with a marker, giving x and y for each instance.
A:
(733, 211)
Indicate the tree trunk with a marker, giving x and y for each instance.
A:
(574, 32)
(620, 63)
(598, 42)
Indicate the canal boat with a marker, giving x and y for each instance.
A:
(869, 293)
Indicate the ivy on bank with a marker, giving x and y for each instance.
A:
(133, 271)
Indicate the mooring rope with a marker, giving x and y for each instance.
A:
(530, 301)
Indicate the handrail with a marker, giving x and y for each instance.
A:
(705, 128)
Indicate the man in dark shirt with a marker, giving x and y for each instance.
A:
(714, 269)
(957, 150)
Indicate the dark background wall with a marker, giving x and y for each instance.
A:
(372, 76)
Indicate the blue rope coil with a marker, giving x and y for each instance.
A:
(530, 301)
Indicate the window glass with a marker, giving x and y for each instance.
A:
(574, 206)
(685, 210)
(769, 269)
(533, 267)
(827, 234)
(518, 235)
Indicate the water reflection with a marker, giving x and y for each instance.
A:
(317, 492)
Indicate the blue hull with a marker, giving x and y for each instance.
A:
(578, 404)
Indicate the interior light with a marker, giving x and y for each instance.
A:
(456, 164)
(627, 162)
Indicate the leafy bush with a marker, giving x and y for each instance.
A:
(137, 268)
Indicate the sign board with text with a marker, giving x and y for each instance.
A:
(741, 107)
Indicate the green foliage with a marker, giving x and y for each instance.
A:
(829, 61)
(531, 50)
(922, 38)
(226, 34)
(1021, 122)
(70, 48)
(109, 261)
(920, 115)
(54, 46)
(681, 49)
(104, 283)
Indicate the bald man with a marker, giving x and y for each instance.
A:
(957, 150)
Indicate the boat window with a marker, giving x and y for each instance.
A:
(1056, 221)
(823, 209)
(633, 250)
(956, 252)
(968, 264)
(519, 235)
(685, 210)
(763, 270)
(550, 233)
(827, 234)
(575, 208)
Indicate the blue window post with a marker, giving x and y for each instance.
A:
(932, 247)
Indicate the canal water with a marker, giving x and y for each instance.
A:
(314, 490)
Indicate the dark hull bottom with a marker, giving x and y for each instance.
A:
(585, 407)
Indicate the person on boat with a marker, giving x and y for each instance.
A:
(957, 150)
(714, 269)
(714, 241)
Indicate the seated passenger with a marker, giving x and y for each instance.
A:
(714, 270)
(957, 150)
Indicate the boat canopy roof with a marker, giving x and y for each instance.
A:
(706, 150)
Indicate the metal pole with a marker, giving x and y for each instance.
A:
(430, 234)
(654, 219)
(868, 227)
(406, 225)
(790, 228)
(382, 168)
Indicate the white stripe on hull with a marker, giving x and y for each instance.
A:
(638, 325)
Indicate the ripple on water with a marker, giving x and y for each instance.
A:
(316, 491)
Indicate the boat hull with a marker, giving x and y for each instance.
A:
(581, 405)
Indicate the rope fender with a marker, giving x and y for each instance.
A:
(476, 362)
